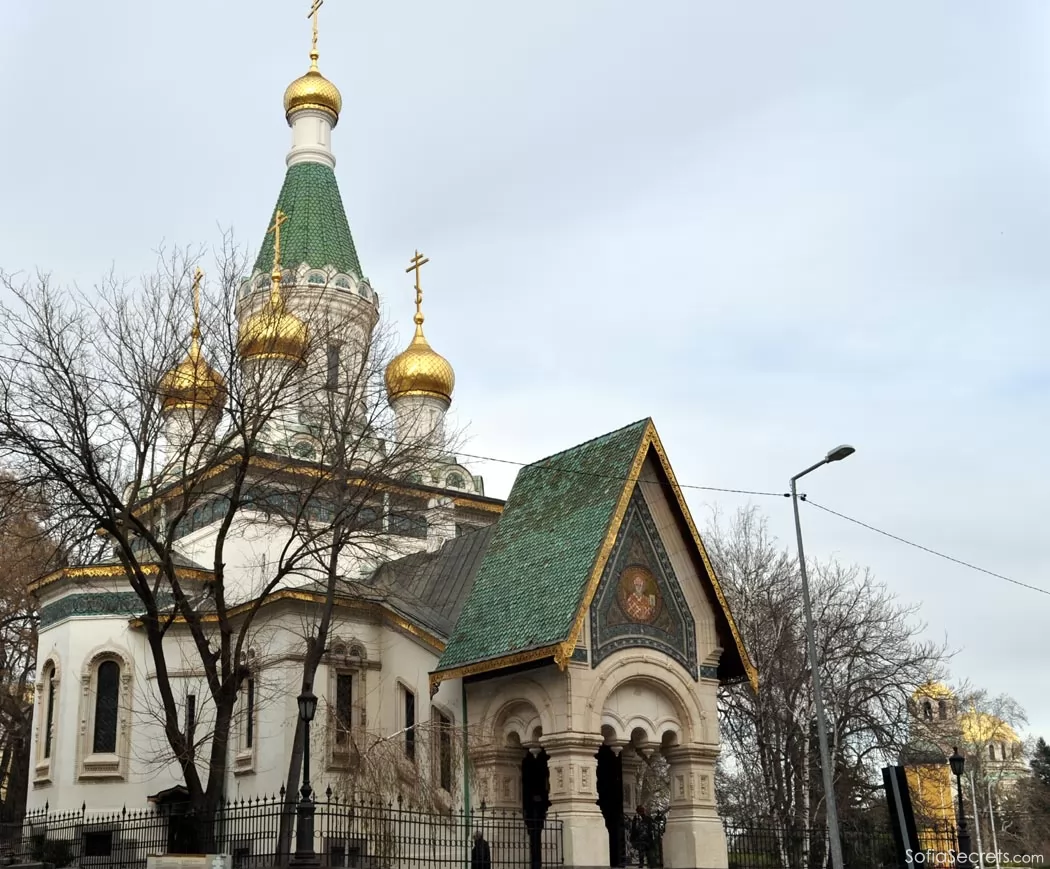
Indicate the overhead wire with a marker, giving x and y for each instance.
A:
(733, 491)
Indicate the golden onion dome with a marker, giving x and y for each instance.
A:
(192, 384)
(313, 91)
(274, 332)
(419, 370)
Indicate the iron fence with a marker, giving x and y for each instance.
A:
(759, 846)
(364, 835)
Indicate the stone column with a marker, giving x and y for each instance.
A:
(573, 795)
(499, 777)
(695, 836)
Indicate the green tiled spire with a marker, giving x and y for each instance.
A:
(531, 582)
(317, 232)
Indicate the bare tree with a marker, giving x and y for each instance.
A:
(26, 551)
(871, 660)
(95, 412)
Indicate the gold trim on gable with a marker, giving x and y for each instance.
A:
(605, 550)
(745, 659)
(500, 663)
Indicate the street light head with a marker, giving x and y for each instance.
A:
(307, 706)
(840, 453)
(957, 762)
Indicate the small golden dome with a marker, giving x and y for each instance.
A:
(313, 91)
(419, 370)
(274, 332)
(193, 383)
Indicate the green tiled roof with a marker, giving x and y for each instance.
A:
(316, 232)
(530, 584)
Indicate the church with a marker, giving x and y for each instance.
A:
(567, 633)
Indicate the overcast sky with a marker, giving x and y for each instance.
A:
(771, 227)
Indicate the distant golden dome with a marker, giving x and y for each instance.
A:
(981, 727)
(274, 332)
(418, 370)
(313, 91)
(193, 383)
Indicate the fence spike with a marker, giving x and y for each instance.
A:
(328, 793)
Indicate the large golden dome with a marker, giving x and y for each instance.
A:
(192, 384)
(274, 332)
(313, 91)
(419, 370)
(982, 727)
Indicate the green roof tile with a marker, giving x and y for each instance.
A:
(316, 232)
(530, 584)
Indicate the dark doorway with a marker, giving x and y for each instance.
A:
(610, 801)
(535, 791)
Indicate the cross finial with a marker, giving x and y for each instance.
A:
(418, 261)
(313, 45)
(279, 218)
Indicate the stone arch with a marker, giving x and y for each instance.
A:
(520, 707)
(658, 678)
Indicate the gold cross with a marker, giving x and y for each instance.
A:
(313, 14)
(197, 275)
(418, 261)
(279, 218)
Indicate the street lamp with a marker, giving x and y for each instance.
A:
(957, 763)
(834, 842)
(305, 856)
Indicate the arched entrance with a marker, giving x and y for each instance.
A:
(609, 782)
(535, 800)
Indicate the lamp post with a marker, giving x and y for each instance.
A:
(834, 842)
(958, 763)
(305, 856)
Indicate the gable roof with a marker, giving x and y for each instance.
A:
(430, 588)
(546, 556)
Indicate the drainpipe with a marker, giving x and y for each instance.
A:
(466, 773)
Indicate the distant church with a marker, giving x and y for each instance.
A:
(938, 727)
(576, 621)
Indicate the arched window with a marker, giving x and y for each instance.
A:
(991, 751)
(49, 709)
(107, 699)
(455, 481)
(942, 710)
(927, 710)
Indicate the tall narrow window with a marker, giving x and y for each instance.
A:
(991, 751)
(191, 716)
(444, 751)
(49, 713)
(249, 711)
(332, 379)
(927, 710)
(107, 690)
(942, 710)
(344, 683)
(410, 725)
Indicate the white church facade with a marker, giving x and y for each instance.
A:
(561, 636)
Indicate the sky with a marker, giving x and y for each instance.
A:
(771, 227)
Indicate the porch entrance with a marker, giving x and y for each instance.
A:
(610, 801)
(535, 798)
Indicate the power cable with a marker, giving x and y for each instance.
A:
(926, 549)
